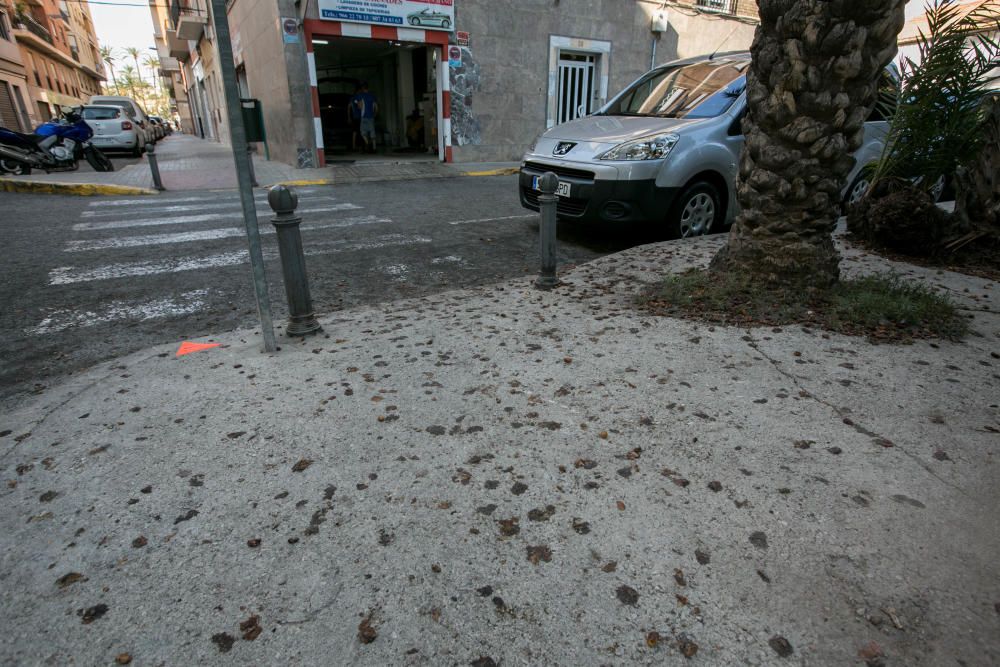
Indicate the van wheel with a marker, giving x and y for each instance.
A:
(696, 212)
(858, 190)
(936, 191)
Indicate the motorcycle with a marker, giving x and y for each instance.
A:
(56, 145)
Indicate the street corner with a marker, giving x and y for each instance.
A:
(503, 171)
(20, 185)
(300, 183)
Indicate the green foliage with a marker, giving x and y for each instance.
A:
(872, 301)
(883, 307)
(936, 123)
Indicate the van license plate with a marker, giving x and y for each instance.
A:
(562, 189)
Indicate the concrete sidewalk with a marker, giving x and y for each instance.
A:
(503, 476)
(189, 163)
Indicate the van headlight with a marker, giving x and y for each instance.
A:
(653, 147)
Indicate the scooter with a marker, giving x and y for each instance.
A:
(56, 145)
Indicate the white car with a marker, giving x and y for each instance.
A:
(133, 110)
(114, 129)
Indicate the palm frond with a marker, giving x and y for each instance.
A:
(936, 122)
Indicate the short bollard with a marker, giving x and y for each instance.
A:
(253, 176)
(301, 319)
(547, 202)
(154, 167)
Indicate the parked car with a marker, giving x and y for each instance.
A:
(113, 129)
(133, 110)
(165, 128)
(157, 122)
(429, 18)
(665, 150)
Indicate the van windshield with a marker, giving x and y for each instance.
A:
(699, 90)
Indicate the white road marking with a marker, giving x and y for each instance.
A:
(506, 217)
(185, 219)
(384, 241)
(68, 275)
(397, 271)
(161, 199)
(202, 235)
(179, 208)
(450, 259)
(62, 319)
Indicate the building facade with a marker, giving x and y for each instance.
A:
(460, 80)
(13, 77)
(185, 42)
(171, 70)
(59, 56)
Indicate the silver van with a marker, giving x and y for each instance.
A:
(666, 149)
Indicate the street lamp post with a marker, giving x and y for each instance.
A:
(239, 141)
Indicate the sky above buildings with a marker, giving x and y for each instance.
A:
(123, 23)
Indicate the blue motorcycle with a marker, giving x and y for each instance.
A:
(56, 145)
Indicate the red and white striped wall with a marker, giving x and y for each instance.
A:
(323, 29)
(444, 106)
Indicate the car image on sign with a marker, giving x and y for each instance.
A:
(429, 18)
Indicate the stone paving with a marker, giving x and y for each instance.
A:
(189, 163)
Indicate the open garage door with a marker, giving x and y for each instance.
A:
(400, 77)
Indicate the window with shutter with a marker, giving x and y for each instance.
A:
(9, 117)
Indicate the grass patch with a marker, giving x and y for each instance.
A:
(882, 307)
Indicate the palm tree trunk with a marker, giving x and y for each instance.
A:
(810, 88)
(977, 183)
(138, 74)
(113, 79)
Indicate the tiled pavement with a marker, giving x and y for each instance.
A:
(190, 163)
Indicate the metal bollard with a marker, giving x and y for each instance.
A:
(153, 167)
(301, 319)
(547, 202)
(253, 176)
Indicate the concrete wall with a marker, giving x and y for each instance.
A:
(501, 95)
(277, 75)
(501, 91)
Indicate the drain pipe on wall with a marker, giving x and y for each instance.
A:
(658, 26)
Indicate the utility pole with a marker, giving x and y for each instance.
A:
(243, 178)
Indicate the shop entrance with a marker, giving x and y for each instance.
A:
(402, 78)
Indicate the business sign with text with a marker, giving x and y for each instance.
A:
(420, 14)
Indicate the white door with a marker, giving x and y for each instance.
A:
(576, 85)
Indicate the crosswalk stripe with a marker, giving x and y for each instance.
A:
(506, 217)
(202, 235)
(68, 275)
(179, 208)
(160, 199)
(185, 219)
(62, 319)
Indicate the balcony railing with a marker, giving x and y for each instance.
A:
(747, 8)
(25, 22)
(178, 9)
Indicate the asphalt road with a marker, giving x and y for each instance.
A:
(88, 279)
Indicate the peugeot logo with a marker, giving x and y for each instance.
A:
(563, 147)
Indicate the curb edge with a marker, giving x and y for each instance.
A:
(79, 189)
